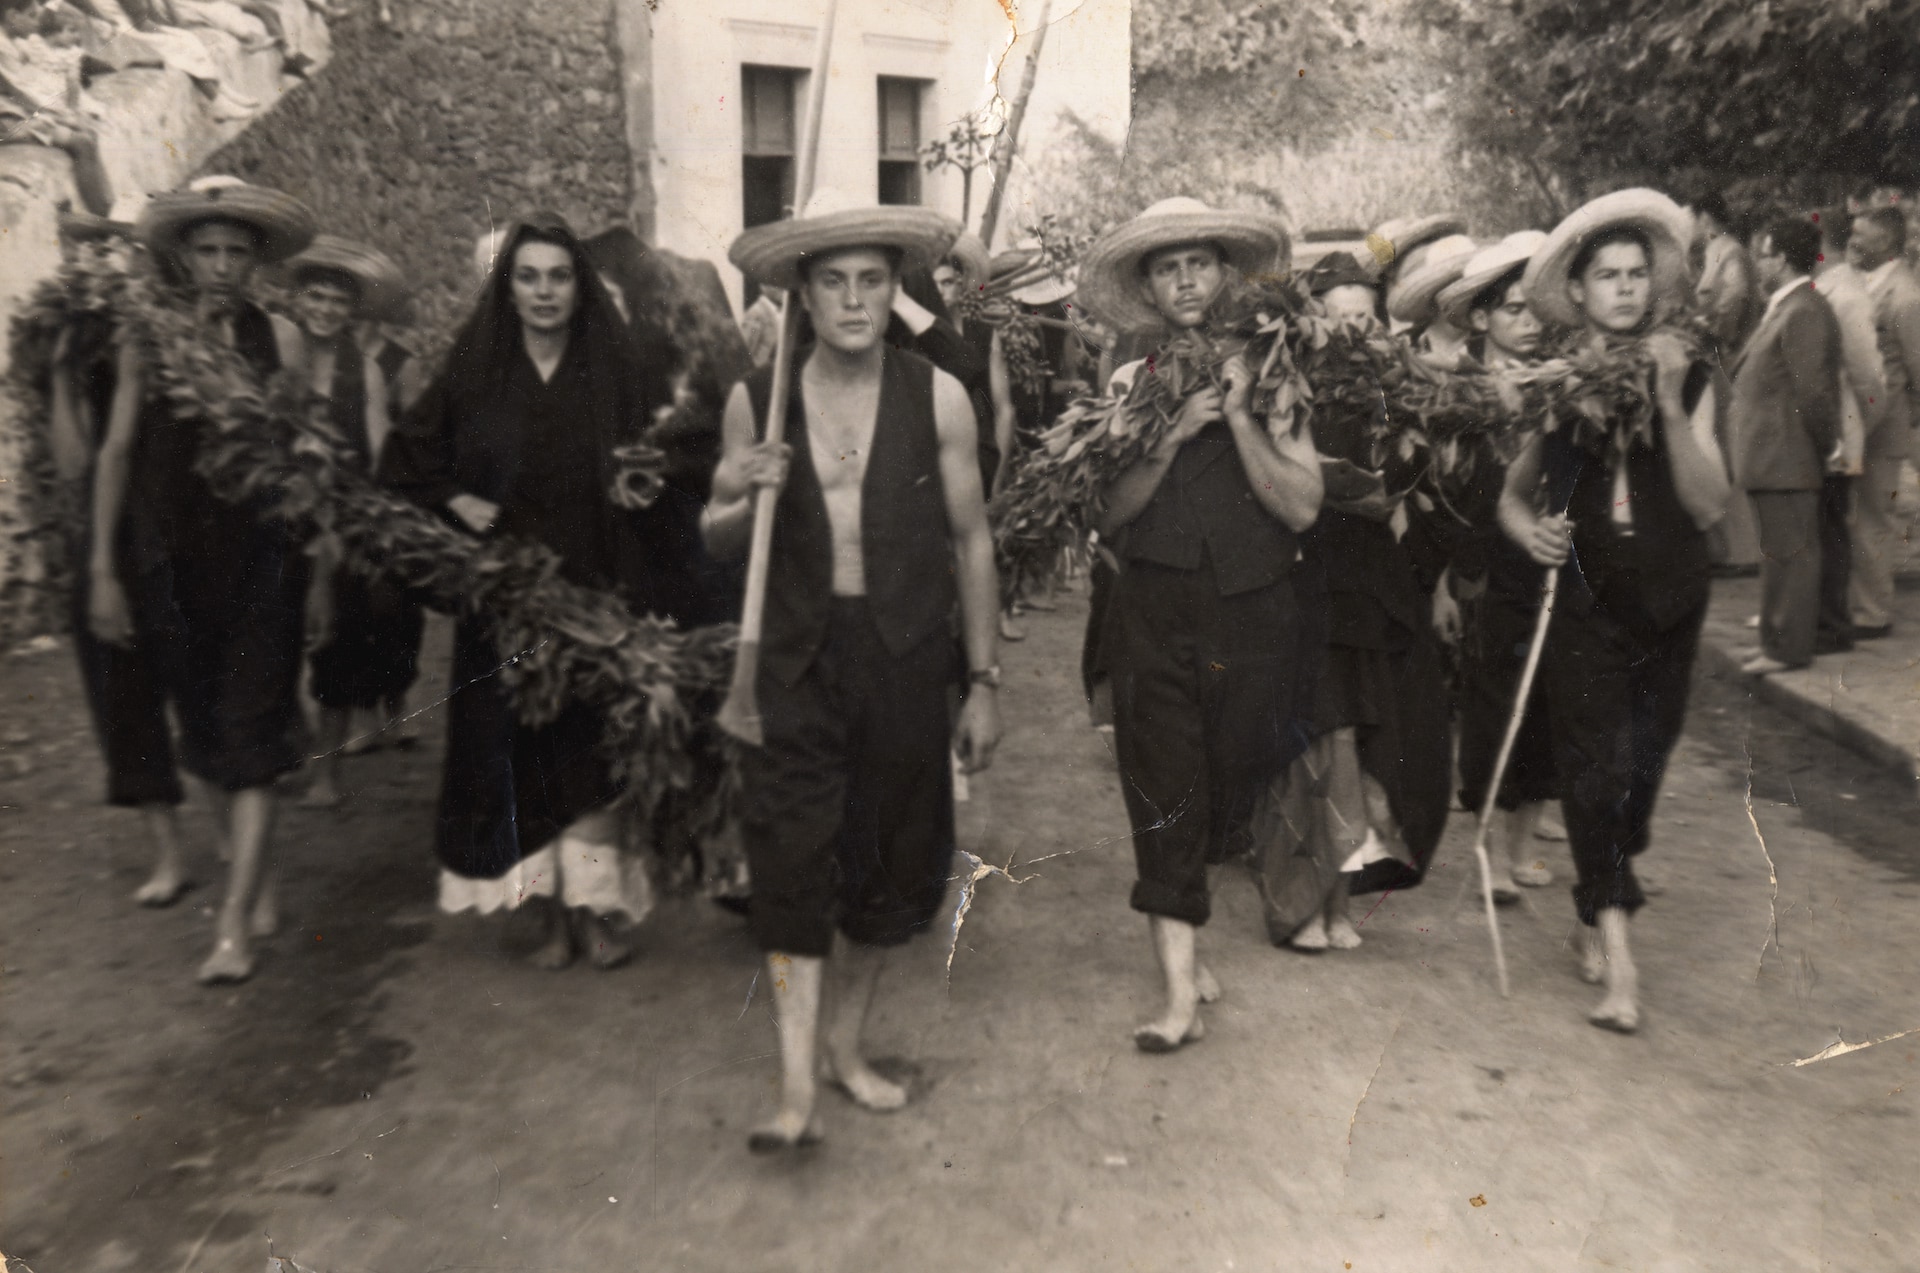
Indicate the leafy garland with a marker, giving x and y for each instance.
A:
(656, 683)
(1432, 429)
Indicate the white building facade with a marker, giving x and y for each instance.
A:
(729, 83)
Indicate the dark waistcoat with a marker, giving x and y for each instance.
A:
(1204, 509)
(905, 541)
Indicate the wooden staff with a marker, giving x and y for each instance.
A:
(740, 715)
(1500, 771)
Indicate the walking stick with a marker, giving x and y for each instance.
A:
(1500, 771)
(740, 714)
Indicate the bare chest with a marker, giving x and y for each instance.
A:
(840, 429)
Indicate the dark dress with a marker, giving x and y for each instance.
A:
(225, 586)
(373, 655)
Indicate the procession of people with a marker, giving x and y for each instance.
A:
(1275, 582)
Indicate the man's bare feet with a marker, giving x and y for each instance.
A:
(1169, 1034)
(787, 1130)
(1310, 936)
(604, 949)
(1593, 957)
(1341, 934)
(1206, 985)
(264, 921)
(1619, 1011)
(231, 962)
(863, 1086)
(1533, 873)
(164, 887)
(556, 952)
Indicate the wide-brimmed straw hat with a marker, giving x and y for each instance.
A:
(1393, 243)
(772, 254)
(1110, 271)
(1663, 221)
(976, 264)
(1485, 268)
(282, 222)
(383, 289)
(1411, 298)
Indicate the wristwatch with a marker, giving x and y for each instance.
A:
(987, 676)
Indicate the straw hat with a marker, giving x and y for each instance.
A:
(1484, 269)
(1410, 299)
(772, 254)
(283, 224)
(1044, 289)
(1338, 269)
(383, 289)
(1110, 271)
(1663, 221)
(1392, 243)
(976, 266)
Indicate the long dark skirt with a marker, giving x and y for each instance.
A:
(374, 655)
(507, 789)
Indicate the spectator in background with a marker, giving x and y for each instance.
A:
(1726, 294)
(1863, 392)
(1876, 249)
(1786, 405)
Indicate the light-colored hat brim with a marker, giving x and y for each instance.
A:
(1389, 243)
(79, 226)
(1045, 291)
(1484, 270)
(282, 222)
(1110, 272)
(383, 289)
(771, 254)
(1661, 219)
(976, 265)
(1411, 298)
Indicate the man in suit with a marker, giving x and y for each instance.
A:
(1877, 249)
(1863, 396)
(1786, 412)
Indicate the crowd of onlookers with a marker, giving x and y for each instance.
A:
(1816, 319)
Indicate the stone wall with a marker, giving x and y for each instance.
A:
(420, 137)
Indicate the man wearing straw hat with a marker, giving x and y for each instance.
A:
(1413, 299)
(880, 529)
(1206, 642)
(1498, 585)
(228, 583)
(365, 641)
(1639, 501)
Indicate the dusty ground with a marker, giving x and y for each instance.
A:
(394, 1093)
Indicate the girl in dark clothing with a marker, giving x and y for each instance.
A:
(517, 437)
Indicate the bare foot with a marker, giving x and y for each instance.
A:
(1593, 959)
(1341, 934)
(265, 919)
(789, 1129)
(321, 795)
(1206, 984)
(864, 1087)
(164, 887)
(604, 950)
(556, 952)
(1310, 936)
(230, 962)
(1169, 1034)
(1532, 874)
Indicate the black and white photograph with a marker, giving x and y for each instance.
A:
(945, 636)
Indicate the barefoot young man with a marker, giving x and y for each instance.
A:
(1633, 595)
(1205, 638)
(227, 583)
(881, 528)
(1499, 589)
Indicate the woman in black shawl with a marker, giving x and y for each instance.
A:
(517, 438)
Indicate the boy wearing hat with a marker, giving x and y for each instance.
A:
(1499, 585)
(365, 637)
(880, 530)
(1626, 622)
(226, 583)
(1206, 641)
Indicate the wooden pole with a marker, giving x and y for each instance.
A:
(1487, 802)
(1009, 141)
(740, 715)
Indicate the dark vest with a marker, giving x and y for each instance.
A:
(905, 541)
(1661, 569)
(1204, 509)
